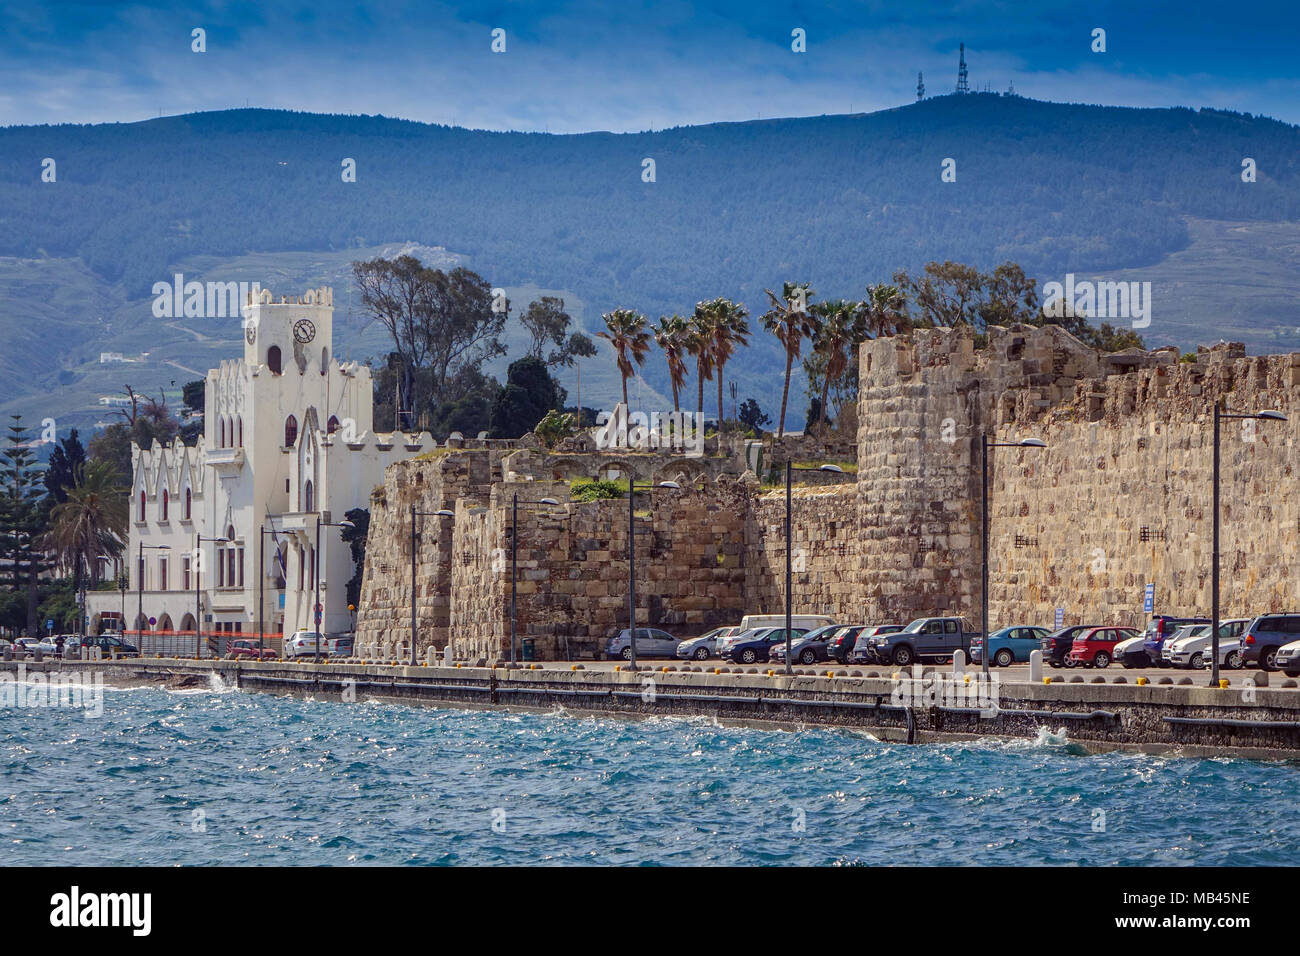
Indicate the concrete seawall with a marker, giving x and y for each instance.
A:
(1261, 722)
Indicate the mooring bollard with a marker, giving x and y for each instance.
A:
(446, 655)
(958, 663)
(430, 657)
(37, 654)
(399, 652)
(1036, 667)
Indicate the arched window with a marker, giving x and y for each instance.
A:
(273, 359)
(165, 502)
(332, 425)
(188, 502)
(221, 440)
(324, 361)
(307, 497)
(141, 504)
(239, 423)
(290, 431)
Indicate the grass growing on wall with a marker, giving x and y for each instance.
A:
(590, 489)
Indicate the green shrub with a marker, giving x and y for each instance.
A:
(587, 489)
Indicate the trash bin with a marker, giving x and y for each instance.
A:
(527, 649)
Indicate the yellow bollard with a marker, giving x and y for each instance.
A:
(1047, 680)
(1223, 683)
(1142, 681)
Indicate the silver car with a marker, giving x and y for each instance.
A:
(1190, 647)
(650, 642)
(703, 647)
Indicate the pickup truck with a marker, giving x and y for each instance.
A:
(925, 639)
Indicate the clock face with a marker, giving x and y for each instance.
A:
(250, 334)
(304, 331)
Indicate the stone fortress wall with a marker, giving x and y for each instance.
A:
(1118, 498)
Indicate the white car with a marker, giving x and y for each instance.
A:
(720, 646)
(1288, 659)
(305, 644)
(1192, 649)
(1131, 653)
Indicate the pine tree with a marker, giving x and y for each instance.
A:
(22, 515)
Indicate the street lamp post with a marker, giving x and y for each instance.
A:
(318, 612)
(514, 564)
(631, 559)
(262, 532)
(139, 616)
(440, 513)
(1268, 415)
(789, 567)
(197, 563)
(984, 533)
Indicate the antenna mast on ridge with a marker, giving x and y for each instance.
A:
(920, 87)
(963, 84)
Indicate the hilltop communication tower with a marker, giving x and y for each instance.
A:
(920, 87)
(963, 83)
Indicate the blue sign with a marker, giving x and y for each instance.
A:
(1149, 599)
(1060, 618)
(49, 624)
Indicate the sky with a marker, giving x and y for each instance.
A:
(629, 65)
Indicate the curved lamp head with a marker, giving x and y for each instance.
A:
(669, 484)
(1032, 443)
(832, 468)
(444, 513)
(1271, 415)
(547, 501)
(345, 523)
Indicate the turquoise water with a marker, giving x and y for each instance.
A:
(223, 777)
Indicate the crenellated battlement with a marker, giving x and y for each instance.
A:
(323, 296)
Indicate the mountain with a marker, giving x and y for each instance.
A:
(842, 201)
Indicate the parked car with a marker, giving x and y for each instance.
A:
(305, 644)
(1192, 649)
(864, 646)
(926, 638)
(1265, 635)
(1132, 652)
(755, 646)
(1008, 645)
(842, 640)
(1160, 627)
(341, 646)
(806, 621)
(809, 648)
(1287, 659)
(248, 648)
(705, 646)
(108, 645)
(1095, 647)
(650, 642)
(1057, 645)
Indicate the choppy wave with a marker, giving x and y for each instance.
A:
(209, 775)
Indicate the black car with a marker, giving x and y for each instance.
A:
(1056, 646)
(840, 644)
(109, 645)
(758, 648)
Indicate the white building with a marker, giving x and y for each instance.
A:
(287, 441)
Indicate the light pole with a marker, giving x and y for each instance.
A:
(262, 532)
(631, 559)
(789, 568)
(139, 616)
(984, 533)
(514, 563)
(197, 562)
(1268, 415)
(317, 611)
(440, 513)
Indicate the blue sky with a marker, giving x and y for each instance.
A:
(631, 65)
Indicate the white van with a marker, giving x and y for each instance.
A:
(806, 621)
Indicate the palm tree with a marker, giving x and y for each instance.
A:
(886, 310)
(93, 521)
(671, 334)
(697, 344)
(726, 330)
(627, 333)
(843, 325)
(790, 321)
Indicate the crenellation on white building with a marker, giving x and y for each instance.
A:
(287, 443)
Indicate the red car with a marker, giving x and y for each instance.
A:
(247, 648)
(1095, 647)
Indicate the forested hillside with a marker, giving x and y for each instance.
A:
(839, 201)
